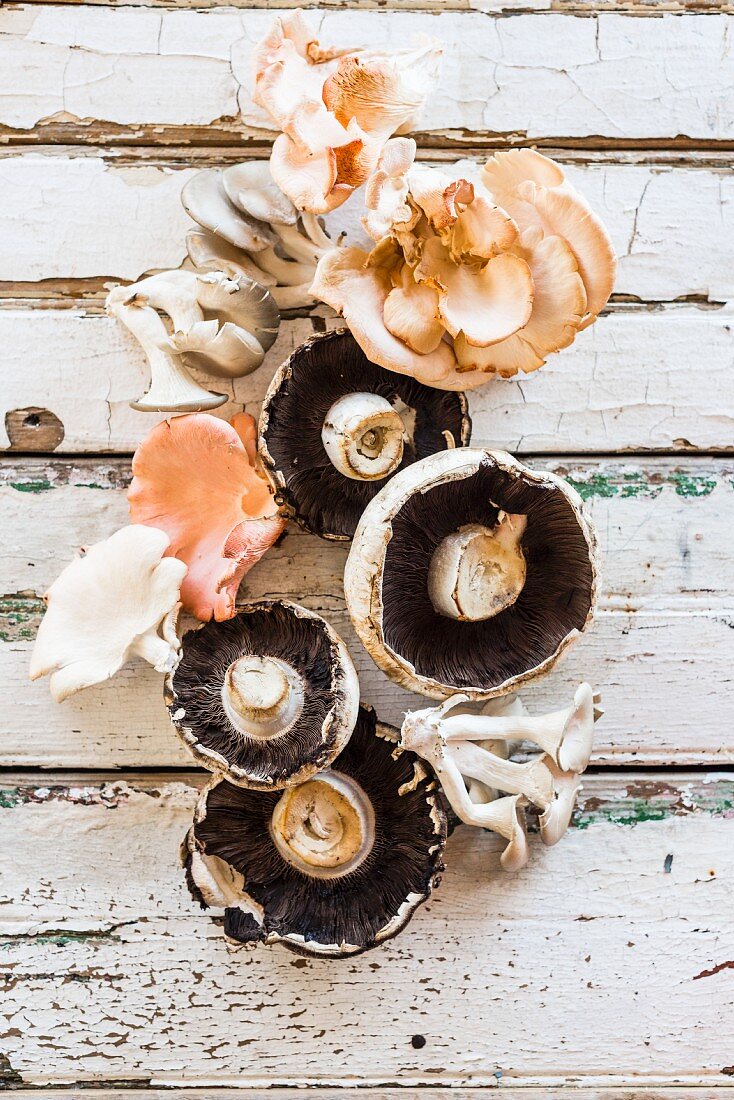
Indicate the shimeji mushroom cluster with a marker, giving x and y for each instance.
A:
(468, 574)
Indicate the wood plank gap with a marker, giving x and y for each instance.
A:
(227, 134)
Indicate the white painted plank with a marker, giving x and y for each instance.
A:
(637, 380)
(580, 1091)
(82, 216)
(608, 75)
(114, 973)
(664, 631)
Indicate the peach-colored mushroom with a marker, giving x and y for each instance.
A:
(469, 278)
(336, 108)
(195, 477)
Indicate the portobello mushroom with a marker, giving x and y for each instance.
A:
(335, 428)
(331, 867)
(470, 573)
(267, 698)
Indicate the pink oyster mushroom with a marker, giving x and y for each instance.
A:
(196, 478)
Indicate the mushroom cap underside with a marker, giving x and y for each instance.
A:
(294, 638)
(318, 374)
(332, 916)
(387, 575)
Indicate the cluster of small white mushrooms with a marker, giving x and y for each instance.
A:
(469, 573)
(469, 754)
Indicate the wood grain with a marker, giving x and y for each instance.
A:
(637, 380)
(660, 650)
(608, 75)
(626, 921)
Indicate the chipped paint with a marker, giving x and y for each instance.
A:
(20, 614)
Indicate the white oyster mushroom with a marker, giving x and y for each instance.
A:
(462, 748)
(118, 600)
(220, 324)
(249, 227)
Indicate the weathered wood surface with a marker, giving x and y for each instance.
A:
(637, 380)
(635, 1090)
(670, 225)
(663, 636)
(624, 926)
(609, 75)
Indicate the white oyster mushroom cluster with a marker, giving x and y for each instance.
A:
(468, 752)
(247, 227)
(218, 322)
(118, 600)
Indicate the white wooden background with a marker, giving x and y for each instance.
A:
(605, 969)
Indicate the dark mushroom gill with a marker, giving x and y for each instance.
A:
(272, 630)
(555, 600)
(322, 371)
(410, 831)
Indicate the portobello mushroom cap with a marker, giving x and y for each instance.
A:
(470, 573)
(267, 698)
(335, 428)
(332, 867)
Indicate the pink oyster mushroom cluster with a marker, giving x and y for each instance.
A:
(469, 279)
(196, 478)
(336, 108)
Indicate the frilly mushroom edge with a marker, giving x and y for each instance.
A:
(119, 599)
(471, 573)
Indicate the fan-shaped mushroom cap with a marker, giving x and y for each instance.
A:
(304, 416)
(195, 478)
(330, 868)
(347, 282)
(268, 697)
(388, 582)
(534, 191)
(559, 303)
(250, 187)
(119, 599)
(336, 108)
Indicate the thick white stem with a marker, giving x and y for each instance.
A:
(262, 696)
(287, 272)
(363, 436)
(296, 245)
(325, 827)
(313, 227)
(533, 779)
(478, 571)
(171, 388)
(566, 735)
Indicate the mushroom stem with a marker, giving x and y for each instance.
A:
(262, 696)
(287, 272)
(171, 388)
(314, 229)
(298, 246)
(363, 436)
(478, 571)
(325, 827)
(566, 735)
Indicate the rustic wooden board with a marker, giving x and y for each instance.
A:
(609, 75)
(637, 380)
(582, 1091)
(625, 926)
(663, 632)
(670, 225)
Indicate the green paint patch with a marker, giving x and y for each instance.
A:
(686, 485)
(10, 797)
(634, 810)
(598, 485)
(42, 485)
(20, 615)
